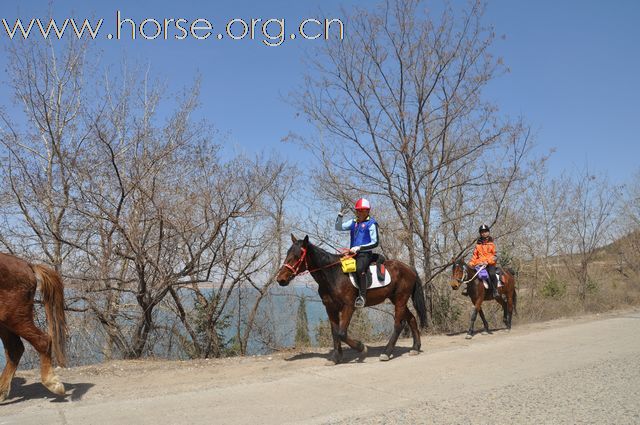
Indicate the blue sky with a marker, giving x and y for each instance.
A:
(574, 70)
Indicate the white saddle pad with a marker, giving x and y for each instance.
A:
(374, 277)
(486, 284)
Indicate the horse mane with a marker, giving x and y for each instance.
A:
(327, 265)
(323, 256)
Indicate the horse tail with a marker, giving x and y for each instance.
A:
(417, 297)
(53, 298)
(515, 298)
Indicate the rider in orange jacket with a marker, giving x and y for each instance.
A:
(485, 254)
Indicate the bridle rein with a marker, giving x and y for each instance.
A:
(295, 269)
(464, 272)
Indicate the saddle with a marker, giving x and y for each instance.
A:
(376, 265)
(378, 260)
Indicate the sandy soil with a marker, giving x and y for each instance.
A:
(579, 370)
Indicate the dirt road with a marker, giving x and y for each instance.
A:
(584, 370)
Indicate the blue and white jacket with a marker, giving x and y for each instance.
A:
(363, 234)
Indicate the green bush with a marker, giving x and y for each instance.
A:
(506, 258)
(361, 328)
(554, 288)
(445, 313)
(592, 286)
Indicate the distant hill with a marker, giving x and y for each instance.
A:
(622, 244)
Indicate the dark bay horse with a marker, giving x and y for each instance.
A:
(18, 282)
(462, 273)
(338, 295)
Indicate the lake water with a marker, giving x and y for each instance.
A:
(282, 306)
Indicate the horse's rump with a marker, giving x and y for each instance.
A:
(18, 282)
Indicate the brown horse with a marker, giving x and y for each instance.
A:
(462, 273)
(338, 295)
(18, 282)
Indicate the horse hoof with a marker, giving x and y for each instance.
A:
(55, 387)
(486, 333)
(363, 354)
(468, 336)
(414, 352)
(330, 363)
(4, 394)
(385, 358)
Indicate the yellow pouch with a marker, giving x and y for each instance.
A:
(348, 264)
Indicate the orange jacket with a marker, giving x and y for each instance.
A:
(485, 252)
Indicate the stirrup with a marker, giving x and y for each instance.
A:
(360, 301)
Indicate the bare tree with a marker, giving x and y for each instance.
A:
(273, 211)
(401, 118)
(40, 147)
(591, 213)
(171, 214)
(151, 225)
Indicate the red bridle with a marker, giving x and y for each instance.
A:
(296, 267)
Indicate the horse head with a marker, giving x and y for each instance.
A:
(295, 262)
(458, 272)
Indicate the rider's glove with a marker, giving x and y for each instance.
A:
(355, 249)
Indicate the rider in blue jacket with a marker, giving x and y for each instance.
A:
(364, 238)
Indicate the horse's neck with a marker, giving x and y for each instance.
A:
(319, 258)
(321, 262)
(472, 273)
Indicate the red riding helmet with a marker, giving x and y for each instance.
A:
(363, 204)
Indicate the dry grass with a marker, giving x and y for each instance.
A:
(548, 291)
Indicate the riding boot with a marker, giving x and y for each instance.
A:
(362, 297)
(494, 287)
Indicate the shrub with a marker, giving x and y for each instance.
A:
(554, 288)
(445, 313)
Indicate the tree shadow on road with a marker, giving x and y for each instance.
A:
(21, 392)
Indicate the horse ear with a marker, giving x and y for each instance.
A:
(305, 242)
(293, 238)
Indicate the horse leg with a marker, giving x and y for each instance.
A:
(485, 323)
(477, 308)
(509, 310)
(503, 303)
(413, 324)
(13, 349)
(42, 343)
(474, 314)
(345, 319)
(398, 325)
(505, 314)
(336, 355)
